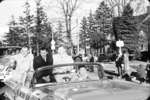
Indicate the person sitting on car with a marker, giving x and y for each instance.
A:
(62, 58)
(78, 59)
(81, 75)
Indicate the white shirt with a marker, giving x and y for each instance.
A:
(62, 59)
(24, 64)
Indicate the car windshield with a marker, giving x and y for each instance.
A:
(64, 73)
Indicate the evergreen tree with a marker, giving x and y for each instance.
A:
(59, 34)
(100, 26)
(97, 28)
(24, 32)
(128, 11)
(26, 24)
(44, 36)
(125, 28)
(91, 38)
(83, 33)
(13, 36)
(103, 18)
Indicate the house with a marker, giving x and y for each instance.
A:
(138, 24)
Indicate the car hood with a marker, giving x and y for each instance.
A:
(112, 94)
(106, 90)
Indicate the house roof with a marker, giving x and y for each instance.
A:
(121, 26)
(142, 21)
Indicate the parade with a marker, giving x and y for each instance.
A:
(103, 55)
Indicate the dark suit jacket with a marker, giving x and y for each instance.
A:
(40, 62)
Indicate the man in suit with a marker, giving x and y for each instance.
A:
(44, 59)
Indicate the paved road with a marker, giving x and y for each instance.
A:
(133, 64)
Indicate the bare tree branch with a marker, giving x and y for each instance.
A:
(68, 7)
(118, 6)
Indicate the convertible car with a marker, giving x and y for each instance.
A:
(92, 85)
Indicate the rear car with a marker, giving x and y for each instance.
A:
(95, 86)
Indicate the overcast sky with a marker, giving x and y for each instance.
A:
(16, 7)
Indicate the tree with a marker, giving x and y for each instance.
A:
(128, 11)
(117, 6)
(27, 33)
(43, 35)
(83, 33)
(59, 34)
(91, 29)
(68, 7)
(45, 31)
(23, 28)
(13, 36)
(125, 28)
(103, 19)
(26, 24)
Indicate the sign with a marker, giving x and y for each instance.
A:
(53, 44)
(119, 43)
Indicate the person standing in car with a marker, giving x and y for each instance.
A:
(62, 57)
(24, 65)
(44, 59)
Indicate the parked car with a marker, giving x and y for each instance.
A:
(4, 72)
(4, 66)
(95, 87)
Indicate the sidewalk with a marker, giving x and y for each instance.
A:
(110, 66)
